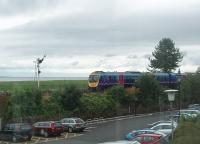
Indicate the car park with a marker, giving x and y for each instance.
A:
(135, 133)
(148, 138)
(73, 124)
(16, 132)
(165, 128)
(48, 128)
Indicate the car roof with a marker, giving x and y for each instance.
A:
(165, 123)
(143, 130)
(154, 135)
(121, 142)
(189, 110)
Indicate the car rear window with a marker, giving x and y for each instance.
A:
(79, 121)
(25, 126)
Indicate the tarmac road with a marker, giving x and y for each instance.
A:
(112, 130)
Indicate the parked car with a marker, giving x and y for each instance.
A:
(175, 118)
(121, 142)
(192, 112)
(163, 121)
(194, 106)
(165, 128)
(48, 128)
(73, 124)
(16, 132)
(135, 133)
(148, 138)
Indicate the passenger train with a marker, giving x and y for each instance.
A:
(100, 80)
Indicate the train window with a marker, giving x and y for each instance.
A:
(93, 78)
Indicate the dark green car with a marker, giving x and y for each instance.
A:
(16, 132)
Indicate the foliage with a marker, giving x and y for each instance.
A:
(96, 104)
(165, 57)
(188, 131)
(24, 102)
(44, 85)
(70, 97)
(190, 88)
(52, 105)
(150, 90)
(117, 93)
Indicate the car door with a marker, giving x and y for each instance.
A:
(10, 132)
(167, 129)
(2, 134)
(148, 140)
(6, 133)
(72, 123)
(65, 123)
(36, 128)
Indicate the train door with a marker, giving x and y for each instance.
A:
(121, 79)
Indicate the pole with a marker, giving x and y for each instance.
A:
(0, 124)
(172, 120)
(179, 91)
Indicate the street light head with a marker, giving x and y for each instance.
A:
(179, 76)
(171, 94)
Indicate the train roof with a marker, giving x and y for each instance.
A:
(131, 73)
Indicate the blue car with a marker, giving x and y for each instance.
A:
(135, 133)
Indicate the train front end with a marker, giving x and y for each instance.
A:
(93, 81)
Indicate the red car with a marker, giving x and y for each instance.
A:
(48, 128)
(148, 138)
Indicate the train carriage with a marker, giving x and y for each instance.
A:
(100, 80)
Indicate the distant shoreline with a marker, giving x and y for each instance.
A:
(7, 79)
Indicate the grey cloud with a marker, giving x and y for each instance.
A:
(132, 56)
(147, 56)
(110, 55)
(101, 33)
(75, 63)
(16, 7)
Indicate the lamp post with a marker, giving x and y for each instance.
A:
(171, 98)
(179, 95)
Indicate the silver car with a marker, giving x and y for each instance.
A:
(165, 128)
(73, 124)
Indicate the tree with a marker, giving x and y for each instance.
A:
(24, 103)
(165, 57)
(118, 93)
(96, 105)
(190, 88)
(150, 91)
(70, 97)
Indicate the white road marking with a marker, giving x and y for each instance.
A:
(66, 136)
(89, 128)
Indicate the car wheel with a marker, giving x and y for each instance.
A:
(70, 130)
(29, 138)
(14, 139)
(46, 134)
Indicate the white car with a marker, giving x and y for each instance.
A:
(121, 142)
(192, 113)
(163, 121)
(165, 128)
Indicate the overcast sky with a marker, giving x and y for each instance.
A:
(81, 36)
